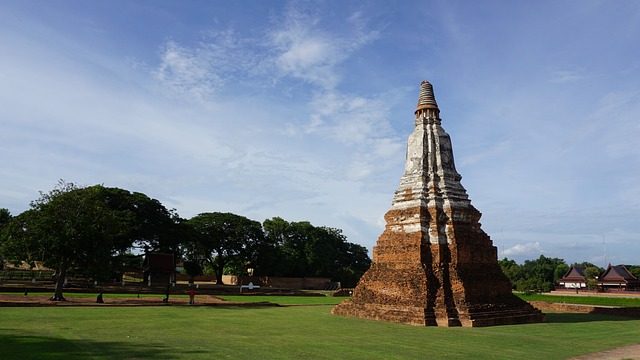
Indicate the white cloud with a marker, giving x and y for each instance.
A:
(531, 249)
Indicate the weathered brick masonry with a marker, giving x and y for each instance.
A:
(433, 264)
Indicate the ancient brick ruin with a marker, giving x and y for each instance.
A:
(433, 264)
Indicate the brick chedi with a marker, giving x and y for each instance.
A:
(433, 264)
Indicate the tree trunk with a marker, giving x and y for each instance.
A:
(219, 277)
(219, 270)
(57, 294)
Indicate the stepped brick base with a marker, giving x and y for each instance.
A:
(471, 295)
(422, 317)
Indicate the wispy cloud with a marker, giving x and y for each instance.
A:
(564, 76)
(204, 69)
(189, 71)
(298, 47)
(350, 119)
(306, 51)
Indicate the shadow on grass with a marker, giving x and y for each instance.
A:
(561, 317)
(42, 347)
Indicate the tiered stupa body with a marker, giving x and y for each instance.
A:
(433, 264)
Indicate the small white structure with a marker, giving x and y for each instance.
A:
(250, 286)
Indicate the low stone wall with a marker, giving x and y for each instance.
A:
(311, 283)
(587, 309)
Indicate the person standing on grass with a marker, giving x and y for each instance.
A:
(192, 295)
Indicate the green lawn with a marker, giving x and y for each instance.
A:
(286, 300)
(292, 332)
(584, 299)
(330, 300)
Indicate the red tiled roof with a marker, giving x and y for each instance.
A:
(576, 273)
(618, 273)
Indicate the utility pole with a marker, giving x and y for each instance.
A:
(604, 248)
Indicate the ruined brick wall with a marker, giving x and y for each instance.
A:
(587, 309)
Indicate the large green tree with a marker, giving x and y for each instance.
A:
(538, 275)
(634, 270)
(293, 246)
(354, 262)
(154, 227)
(560, 271)
(270, 260)
(5, 217)
(512, 270)
(591, 275)
(221, 238)
(301, 249)
(83, 229)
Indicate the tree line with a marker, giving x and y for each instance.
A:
(543, 273)
(96, 231)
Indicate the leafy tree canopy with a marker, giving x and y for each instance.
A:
(219, 238)
(300, 249)
(634, 270)
(80, 228)
(585, 264)
(5, 216)
(534, 275)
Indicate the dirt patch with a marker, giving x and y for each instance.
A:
(43, 300)
(625, 352)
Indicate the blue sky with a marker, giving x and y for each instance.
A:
(302, 110)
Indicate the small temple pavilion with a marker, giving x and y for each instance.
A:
(574, 278)
(618, 278)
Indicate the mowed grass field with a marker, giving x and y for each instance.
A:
(306, 331)
(601, 300)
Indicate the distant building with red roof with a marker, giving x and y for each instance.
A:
(574, 278)
(618, 277)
